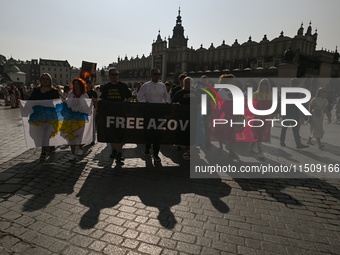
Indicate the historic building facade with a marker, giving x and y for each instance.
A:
(13, 71)
(280, 57)
(60, 70)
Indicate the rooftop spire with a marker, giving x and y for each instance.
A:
(179, 18)
(178, 39)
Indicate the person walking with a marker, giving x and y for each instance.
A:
(94, 96)
(153, 91)
(261, 133)
(78, 90)
(317, 106)
(183, 97)
(226, 95)
(116, 91)
(45, 91)
(293, 113)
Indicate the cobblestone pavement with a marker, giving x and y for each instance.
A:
(93, 206)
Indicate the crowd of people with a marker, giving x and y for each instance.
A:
(155, 91)
(318, 106)
(13, 93)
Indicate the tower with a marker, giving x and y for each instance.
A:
(178, 39)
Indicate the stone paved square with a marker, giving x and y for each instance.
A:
(93, 206)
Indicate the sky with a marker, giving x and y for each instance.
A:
(100, 31)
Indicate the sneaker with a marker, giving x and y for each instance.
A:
(253, 150)
(119, 157)
(186, 156)
(72, 157)
(261, 155)
(301, 146)
(156, 158)
(80, 152)
(42, 157)
(50, 150)
(113, 154)
(147, 153)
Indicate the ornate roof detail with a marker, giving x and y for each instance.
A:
(178, 39)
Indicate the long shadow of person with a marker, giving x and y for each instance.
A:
(160, 189)
(51, 179)
(43, 181)
(103, 156)
(276, 188)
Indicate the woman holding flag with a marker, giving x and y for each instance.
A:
(78, 90)
(45, 91)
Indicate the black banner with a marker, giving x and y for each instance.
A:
(142, 122)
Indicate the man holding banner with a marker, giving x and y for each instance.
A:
(153, 91)
(116, 91)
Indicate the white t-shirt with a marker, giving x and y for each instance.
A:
(71, 95)
(153, 93)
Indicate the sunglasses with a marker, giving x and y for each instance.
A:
(114, 74)
(156, 74)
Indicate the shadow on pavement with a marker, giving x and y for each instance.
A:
(42, 180)
(276, 188)
(156, 187)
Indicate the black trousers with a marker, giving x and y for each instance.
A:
(295, 132)
(156, 147)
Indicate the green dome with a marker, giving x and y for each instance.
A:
(12, 69)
